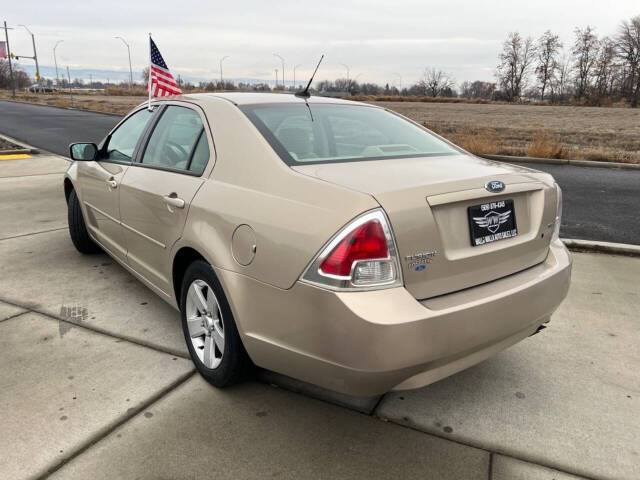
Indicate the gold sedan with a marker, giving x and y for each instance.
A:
(332, 241)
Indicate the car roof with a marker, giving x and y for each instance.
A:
(252, 98)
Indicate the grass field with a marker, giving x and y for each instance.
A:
(592, 133)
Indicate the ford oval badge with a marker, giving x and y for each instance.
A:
(494, 186)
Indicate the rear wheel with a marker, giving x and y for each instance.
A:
(77, 228)
(209, 328)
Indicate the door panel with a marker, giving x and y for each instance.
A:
(99, 181)
(153, 210)
(99, 184)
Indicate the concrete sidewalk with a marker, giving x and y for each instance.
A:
(94, 381)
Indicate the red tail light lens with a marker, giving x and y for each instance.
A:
(361, 256)
(365, 242)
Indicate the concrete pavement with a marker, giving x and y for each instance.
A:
(540, 410)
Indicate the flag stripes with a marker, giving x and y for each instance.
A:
(162, 83)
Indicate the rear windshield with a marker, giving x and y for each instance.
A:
(312, 133)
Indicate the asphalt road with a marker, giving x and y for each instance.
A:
(599, 203)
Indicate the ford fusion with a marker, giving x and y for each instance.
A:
(335, 242)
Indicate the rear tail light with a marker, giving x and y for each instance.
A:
(363, 255)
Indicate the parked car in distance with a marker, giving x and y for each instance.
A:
(38, 88)
(332, 241)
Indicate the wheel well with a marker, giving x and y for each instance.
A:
(185, 257)
(68, 188)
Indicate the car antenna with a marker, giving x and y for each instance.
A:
(305, 93)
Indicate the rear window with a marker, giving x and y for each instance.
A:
(313, 133)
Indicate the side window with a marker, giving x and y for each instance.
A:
(178, 141)
(123, 141)
(200, 155)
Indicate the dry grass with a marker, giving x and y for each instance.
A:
(400, 98)
(590, 133)
(544, 146)
(125, 92)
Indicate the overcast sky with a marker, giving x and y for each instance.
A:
(377, 40)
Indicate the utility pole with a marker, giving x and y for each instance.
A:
(294, 75)
(130, 70)
(55, 60)
(70, 94)
(35, 55)
(282, 60)
(6, 36)
(221, 77)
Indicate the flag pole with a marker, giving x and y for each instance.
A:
(149, 79)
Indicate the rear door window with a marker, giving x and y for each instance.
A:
(178, 142)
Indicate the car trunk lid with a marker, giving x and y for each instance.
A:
(427, 201)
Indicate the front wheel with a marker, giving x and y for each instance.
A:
(209, 328)
(77, 228)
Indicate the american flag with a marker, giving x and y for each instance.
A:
(162, 83)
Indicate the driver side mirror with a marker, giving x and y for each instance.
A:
(83, 152)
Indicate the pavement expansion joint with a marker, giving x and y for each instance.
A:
(108, 429)
(94, 329)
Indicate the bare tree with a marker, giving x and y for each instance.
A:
(434, 82)
(628, 50)
(477, 89)
(605, 69)
(585, 53)
(548, 49)
(516, 59)
(561, 78)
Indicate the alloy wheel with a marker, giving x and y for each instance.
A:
(205, 323)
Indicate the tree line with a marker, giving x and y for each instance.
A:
(591, 70)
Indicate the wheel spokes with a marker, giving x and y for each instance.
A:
(196, 329)
(218, 335)
(209, 354)
(197, 297)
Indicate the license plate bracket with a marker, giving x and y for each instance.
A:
(492, 221)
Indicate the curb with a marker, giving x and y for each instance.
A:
(64, 108)
(601, 247)
(559, 161)
(25, 148)
(16, 151)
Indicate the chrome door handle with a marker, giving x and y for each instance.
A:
(112, 183)
(173, 201)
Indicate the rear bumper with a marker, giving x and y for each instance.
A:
(367, 343)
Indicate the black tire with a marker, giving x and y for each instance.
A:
(235, 363)
(77, 228)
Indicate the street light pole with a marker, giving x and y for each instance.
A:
(294, 75)
(400, 83)
(276, 79)
(35, 55)
(347, 67)
(221, 77)
(282, 60)
(55, 60)
(130, 69)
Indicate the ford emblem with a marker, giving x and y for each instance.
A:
(494, 186)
